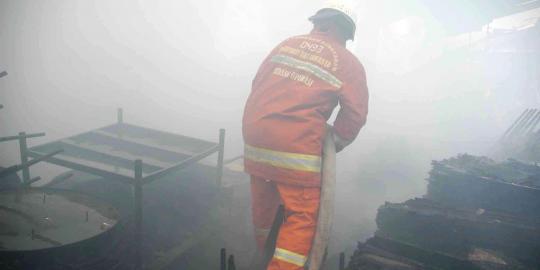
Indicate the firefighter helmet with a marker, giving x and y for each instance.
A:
(343, 13)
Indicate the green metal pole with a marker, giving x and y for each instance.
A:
(221, 154)
(24, 157)
(120, 116)
(138, 196)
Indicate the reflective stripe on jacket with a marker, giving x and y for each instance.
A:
(293, 95)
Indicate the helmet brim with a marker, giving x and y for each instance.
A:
(344, 21)
(325, 14)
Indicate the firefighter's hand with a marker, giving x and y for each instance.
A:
(339, 147)
(339, 144)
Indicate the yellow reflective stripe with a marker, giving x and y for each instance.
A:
(294, 161)
(290, 257)
(309, 67)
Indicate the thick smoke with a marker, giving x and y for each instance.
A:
(187, 66)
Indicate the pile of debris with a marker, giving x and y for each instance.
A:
(477, 214)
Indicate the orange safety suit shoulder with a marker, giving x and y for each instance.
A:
(293, 95)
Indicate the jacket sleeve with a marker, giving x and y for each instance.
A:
(353, 100)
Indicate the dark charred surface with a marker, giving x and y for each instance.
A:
(477, 214)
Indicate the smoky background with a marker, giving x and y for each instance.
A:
(186, 67)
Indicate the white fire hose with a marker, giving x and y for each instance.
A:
(326, 206)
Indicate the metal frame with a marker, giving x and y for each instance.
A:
(25, 163)
(525, 124)
(138, 179)
(3, 74)
(20, 136)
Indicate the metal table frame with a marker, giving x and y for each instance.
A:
(3, 74)
(138, 180)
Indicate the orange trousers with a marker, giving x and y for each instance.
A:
(296, 234)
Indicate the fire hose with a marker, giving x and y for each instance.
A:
(326, 206)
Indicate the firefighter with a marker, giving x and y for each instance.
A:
(293, 95)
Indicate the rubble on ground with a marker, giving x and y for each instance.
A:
(477, 214)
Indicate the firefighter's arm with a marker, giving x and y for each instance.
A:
(353, 100)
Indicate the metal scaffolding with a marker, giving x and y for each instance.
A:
(133, 155)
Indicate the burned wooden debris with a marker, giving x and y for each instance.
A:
(370, 257)
(477, 214)
(458, 232)
(479, 182)
(382, 253)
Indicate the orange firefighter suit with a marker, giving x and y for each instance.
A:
(293, 95)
